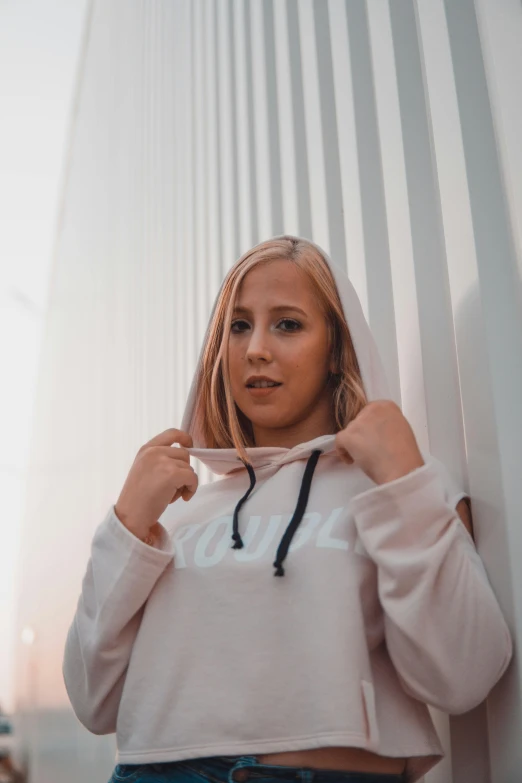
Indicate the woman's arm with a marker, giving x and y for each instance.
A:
(120, 576)
(445, 632)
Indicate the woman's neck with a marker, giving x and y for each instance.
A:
(288, 437)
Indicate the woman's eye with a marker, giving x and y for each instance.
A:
(235, 323)
(292, 323)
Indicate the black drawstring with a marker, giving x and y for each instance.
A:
(235, 535)
(300, 509)
(294, 523)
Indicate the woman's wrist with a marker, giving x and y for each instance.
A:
(144, 534)
(149, 539)
(402, 470)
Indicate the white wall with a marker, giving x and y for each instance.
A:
(39, 45)
(386, 132)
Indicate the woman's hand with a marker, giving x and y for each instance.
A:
(159, 475)
(381, 442)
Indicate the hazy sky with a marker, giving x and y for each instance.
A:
(40, 44)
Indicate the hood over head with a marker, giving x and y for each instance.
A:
(222, 461)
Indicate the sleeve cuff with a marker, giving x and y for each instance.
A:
(408, 512)
(161, 552)
(394, 491)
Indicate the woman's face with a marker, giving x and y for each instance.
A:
(279, 331)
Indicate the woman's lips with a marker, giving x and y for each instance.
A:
(262, 392)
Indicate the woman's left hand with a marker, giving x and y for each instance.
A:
(381, 442)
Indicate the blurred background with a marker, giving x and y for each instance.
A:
(144, 146)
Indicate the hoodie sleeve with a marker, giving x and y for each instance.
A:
(444, 629)
(120, 576)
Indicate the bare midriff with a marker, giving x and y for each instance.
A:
(337, 758)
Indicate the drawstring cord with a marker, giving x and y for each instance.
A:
(235, 535)
(294, 523)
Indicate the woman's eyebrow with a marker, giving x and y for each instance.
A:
(275, 309)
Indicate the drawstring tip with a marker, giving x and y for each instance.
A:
(239, 543)
(280, 571)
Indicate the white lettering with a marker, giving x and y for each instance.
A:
(324, 539)
(181, 535)
(200, 557)
(219, 531)
(304, 532)
(243, 555)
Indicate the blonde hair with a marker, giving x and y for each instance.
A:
(222, 424)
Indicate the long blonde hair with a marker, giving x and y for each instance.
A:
(222, 424)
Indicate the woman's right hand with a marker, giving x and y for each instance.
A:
(158, 476)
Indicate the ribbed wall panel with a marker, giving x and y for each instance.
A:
(384, 131)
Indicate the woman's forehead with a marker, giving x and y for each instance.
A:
(275, 284)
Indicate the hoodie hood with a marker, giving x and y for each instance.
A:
(223, 461)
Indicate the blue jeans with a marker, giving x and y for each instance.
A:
(229, 769)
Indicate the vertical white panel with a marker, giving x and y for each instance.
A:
(299, 138)
(178, 260)
(189, 254)
(398, 219)
(244, 147)
(331, 132)
(286, 121)
(314, 136)
(500, 29)
(259, 97)
(353, 219)
(200, 222)
(226, 136)
(200, 54)
(182, 132)
(213, 257)
(274, 173)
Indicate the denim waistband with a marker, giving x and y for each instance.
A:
(240, 769)
(248, 768)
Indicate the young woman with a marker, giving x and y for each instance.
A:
(205, 666)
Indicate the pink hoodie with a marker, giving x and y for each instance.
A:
(191, 649)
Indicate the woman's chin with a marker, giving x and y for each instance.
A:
(268, 422)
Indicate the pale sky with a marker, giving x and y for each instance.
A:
(40, 44)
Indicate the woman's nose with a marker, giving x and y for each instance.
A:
(258, 347)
